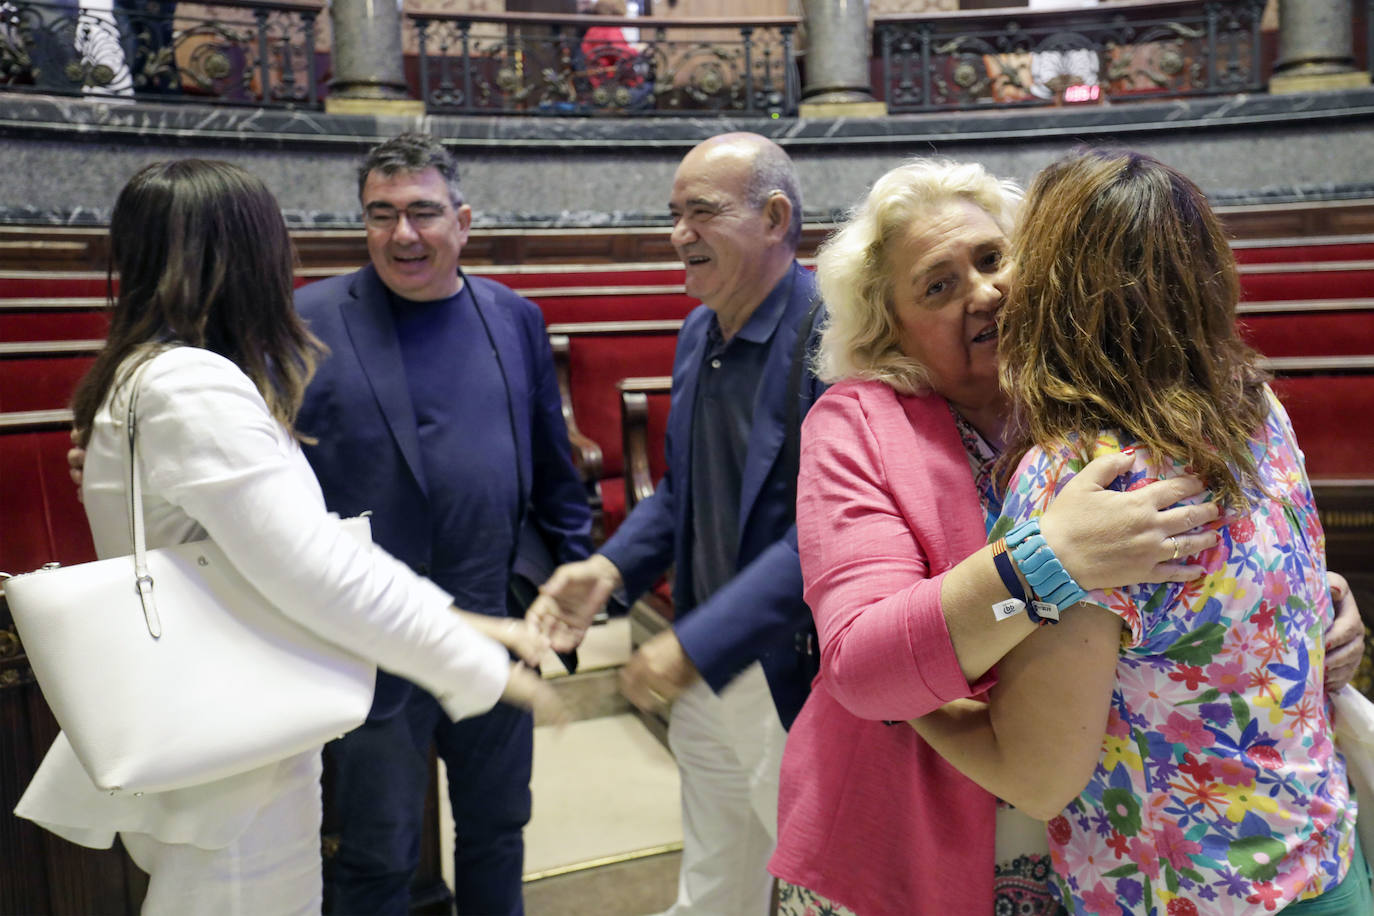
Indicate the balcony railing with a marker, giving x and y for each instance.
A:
(244, 52)
(1019, 58)
(538, 64)
(273, 53)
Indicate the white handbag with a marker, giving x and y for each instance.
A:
(168, 669)
(1353, 725)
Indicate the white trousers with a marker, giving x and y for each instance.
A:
(271, 869)
(729, 752)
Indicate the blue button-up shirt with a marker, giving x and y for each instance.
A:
(727, 386)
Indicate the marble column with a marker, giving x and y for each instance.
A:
(369, 75)
(837, 54)
(1316, 47)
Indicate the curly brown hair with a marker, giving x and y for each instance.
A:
(1123, 317)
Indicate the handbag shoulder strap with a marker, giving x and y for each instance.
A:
(143, 580)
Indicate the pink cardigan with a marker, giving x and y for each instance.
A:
(868, 815)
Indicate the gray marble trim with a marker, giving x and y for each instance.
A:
(56, 117)
(302, 219)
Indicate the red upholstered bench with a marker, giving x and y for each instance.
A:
(40, 515)
(1310, 280)
(52, 319)
(591, 359)
(47, 284)
(1329, 399)
(553, 276)
(602, 304)
(41, 375)
(1316, 327)
(1299, 249)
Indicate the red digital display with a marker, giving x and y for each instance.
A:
(1082, 93)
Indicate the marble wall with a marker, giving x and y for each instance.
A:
(63, 161)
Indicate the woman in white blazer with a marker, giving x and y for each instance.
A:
(205, 299)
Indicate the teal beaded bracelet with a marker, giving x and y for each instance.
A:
(1049, 580)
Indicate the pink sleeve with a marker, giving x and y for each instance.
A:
(885, 649)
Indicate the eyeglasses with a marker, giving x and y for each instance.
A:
(421, 216)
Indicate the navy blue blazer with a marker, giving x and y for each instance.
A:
(367, 456)
(758, 614)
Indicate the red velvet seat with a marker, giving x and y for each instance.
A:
(1268, 251)
(1330, 415)
(595, 360)
(577, 307)
(1259, 283)
(19, 322)
(40, 516)
(582, 275)
(1307, 332)
(22, 284)
(615, 490)
(41, 382)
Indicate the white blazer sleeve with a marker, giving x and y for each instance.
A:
(208, 445)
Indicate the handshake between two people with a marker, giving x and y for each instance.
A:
(659, 670)
(525, 687)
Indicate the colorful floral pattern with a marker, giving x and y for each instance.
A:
(1021, 887)
(1218, 790)
(795, 900)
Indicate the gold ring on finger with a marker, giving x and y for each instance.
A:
(1174, 542)
(659, 698)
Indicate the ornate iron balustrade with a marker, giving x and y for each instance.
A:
(235, 51)
(537, 64)
(1015, 58)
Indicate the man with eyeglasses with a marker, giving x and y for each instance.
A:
(438, 410)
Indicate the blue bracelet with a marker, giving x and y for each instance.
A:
(1018, 602)
(1050, 582)
(1008, 572)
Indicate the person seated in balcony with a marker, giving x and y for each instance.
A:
(611, 61)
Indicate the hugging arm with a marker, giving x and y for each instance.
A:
(900, 636)
(1036, 743)
(1345, 636)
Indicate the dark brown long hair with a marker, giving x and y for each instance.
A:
(1122, 316)
(204, 260)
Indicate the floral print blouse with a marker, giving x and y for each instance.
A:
(1218, 789)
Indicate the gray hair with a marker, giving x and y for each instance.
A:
(412, 152)
(774, 171)
(853, 269)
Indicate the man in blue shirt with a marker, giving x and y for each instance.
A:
(723, 515)
(438, 410)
